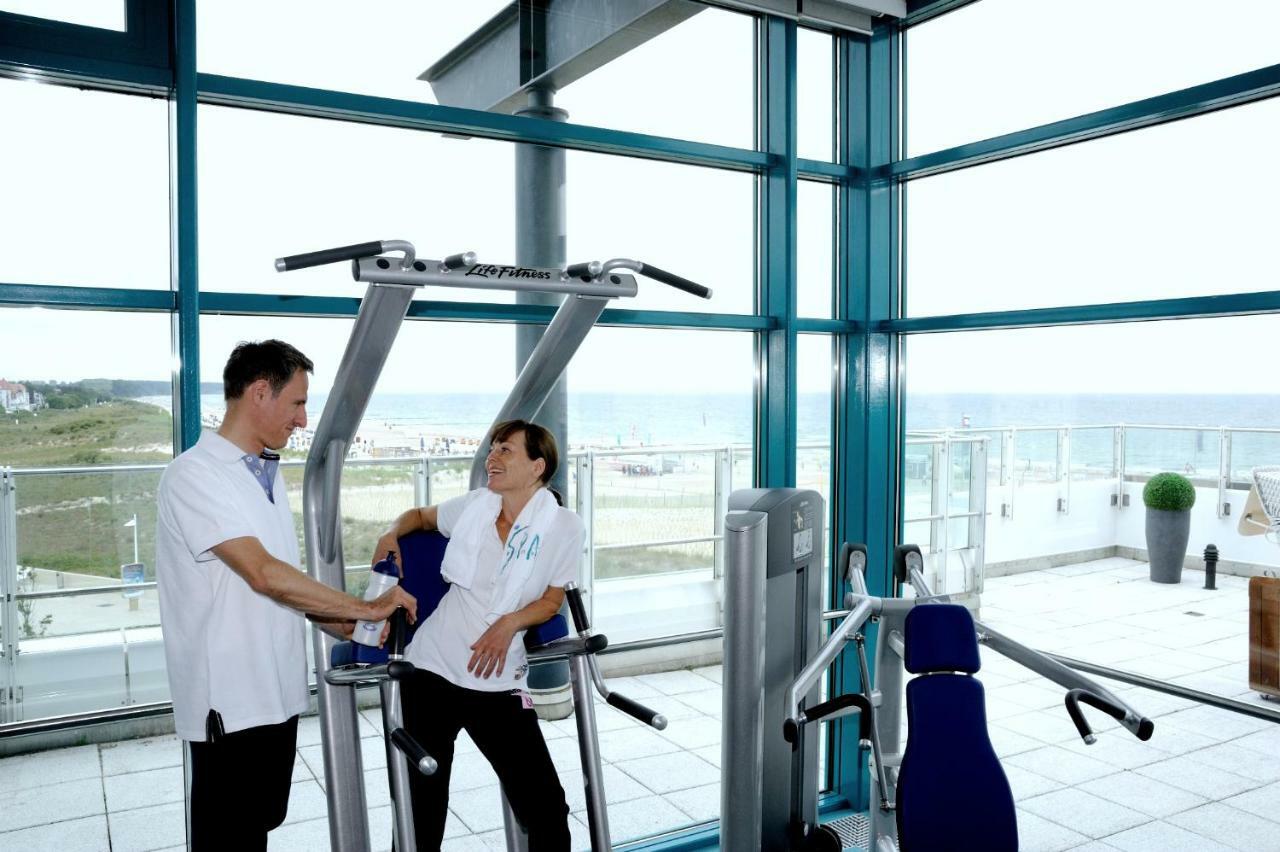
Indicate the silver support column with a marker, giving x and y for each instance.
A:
(589, 751)
(742, 740)
(9, 618)
(382, 313)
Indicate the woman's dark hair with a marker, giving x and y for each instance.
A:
(273, 360)
(538, 443)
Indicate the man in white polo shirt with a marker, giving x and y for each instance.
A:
(232, 599)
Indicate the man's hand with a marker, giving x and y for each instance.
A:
(490, 650)
(382, 606)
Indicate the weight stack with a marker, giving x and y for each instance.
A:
(1264, 635)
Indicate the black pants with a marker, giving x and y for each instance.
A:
(240, 785)
(507, 734)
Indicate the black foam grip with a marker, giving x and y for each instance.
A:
(1146, 728)
(400, 669)
(900, 572)
(595, 644)
(633, 708)
(407, 744)
(791, 733)
(333, 255)
(577, 610)
(399, 629)
(578, 270)
(673, 280)
(841, 702)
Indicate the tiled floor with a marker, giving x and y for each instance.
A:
(1209, 780)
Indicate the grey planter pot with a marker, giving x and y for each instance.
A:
(1167, 537)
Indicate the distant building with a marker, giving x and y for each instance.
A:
(14, 397)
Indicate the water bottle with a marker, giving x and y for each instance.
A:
(382, 577)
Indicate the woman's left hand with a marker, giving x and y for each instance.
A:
(489, 653)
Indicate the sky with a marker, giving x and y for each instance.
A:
(1150, 214)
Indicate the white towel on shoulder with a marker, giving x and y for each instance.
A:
(520, 559)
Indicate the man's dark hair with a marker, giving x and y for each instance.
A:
(273, 360)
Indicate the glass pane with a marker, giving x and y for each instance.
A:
(692, 81)
(1102, 221)
(87, 441)
(104, 14)
(815, 104)
(86, 187)
(659, 431)
(815, 375)
(815, 258)
(960, 89)
(1076, 422)
(623, 207)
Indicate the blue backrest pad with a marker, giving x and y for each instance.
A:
(421, 553)
(952, 792)
(940, 638)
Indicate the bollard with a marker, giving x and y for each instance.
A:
(1211, 567)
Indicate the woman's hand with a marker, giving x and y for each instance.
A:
(388, 544)
(489, 653)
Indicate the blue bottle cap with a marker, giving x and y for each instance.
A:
(388, 566)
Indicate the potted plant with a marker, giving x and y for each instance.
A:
(1168, 498)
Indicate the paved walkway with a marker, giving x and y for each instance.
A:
(1209, 780)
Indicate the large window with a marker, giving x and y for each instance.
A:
(1072, 423)
(104, 14)
(86, 188)
(1025, 64)
(1104, 221)
(692, 80)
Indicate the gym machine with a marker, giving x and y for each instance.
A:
(588, 288)
(943, 788)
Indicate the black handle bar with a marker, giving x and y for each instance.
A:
(637, 710)
(417, 755)
(331, 255)
(671, 279)
(791, 730)
(577, 610)
(1075, 696)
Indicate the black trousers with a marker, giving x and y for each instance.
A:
(240, 785)
(507, 734)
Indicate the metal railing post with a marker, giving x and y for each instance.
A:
(422, 482)
(978, 510)
(585, 504)
(1008, 472)
(720, 501)
(1224, 471)
(1063, 474)
(8, 591)
(941, 506)
(1118, 439)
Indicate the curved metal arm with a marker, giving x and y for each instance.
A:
(351, 252)
(826, 656)
(650, 271)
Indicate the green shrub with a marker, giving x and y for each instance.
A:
(1170, 492)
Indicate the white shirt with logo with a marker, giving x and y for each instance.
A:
(443, 642)
(227, 647)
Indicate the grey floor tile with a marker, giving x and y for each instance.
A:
(1163, 837)
(1061, 765)
(1251, 763)
(694, 733)
(715, 673)
(1263, 802)
(300, 836)
(618, 787)
(666, 772)
(636, 687)
(1037, 834)
(1093, 846)
(1118, 748)
(309, 731)
(700, 803)
(674, 707)
(32, 806)
(1083, 812)
(1195, 777)
(1026, 784)
(1147, 795)
(1008, 743)
(1235, 828)
(470, 771)
(141, 755)
(373, 752)
(711, 754)
(51, 767)
(1043, 725)
(709, 702)
(143, 789)
(87, 834)
(643, 817)
(617, 746)
(306, 802)
(302, 770)
(465, 843)
(480, 809)
(676, 682)
(157, 827)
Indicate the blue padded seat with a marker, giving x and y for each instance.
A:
(952, 792)
(421, 553)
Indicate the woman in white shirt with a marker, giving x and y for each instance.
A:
(512, 549)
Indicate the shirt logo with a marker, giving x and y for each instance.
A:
(521, 547)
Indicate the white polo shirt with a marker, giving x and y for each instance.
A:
(227, 647)
(443, 643)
